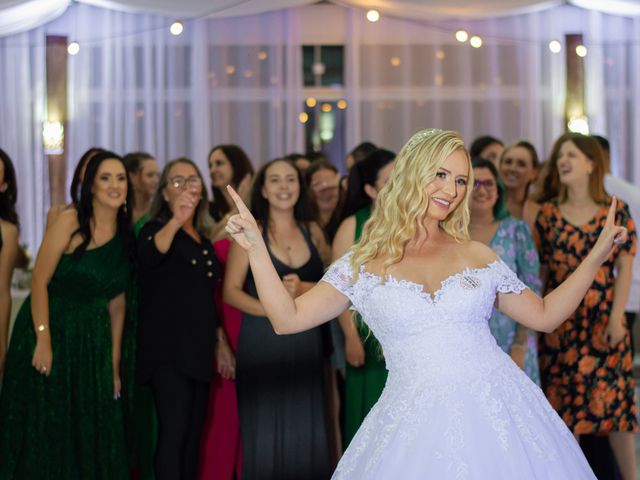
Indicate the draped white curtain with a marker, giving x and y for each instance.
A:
(405, 75)
(613, 86)
(135, 87)
(22, 100)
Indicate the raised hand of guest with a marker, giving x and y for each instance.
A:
(184, 207)
(242, 226)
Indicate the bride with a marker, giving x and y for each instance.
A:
(455, 405)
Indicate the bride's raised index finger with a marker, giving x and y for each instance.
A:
(242, 208)
(611, 216)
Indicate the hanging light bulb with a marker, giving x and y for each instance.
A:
(73, 48)
(555, 46)
(176, 28)
(581, 51)
(475, 41)
(373, 15)
(462, 36)
(579, 124)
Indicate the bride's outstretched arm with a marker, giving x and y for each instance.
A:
(318, 305)
(545, 314)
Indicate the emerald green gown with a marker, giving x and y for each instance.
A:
(363, 384)
(67, 425)
(141, 419)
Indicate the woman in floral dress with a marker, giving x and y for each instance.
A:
(586, 363)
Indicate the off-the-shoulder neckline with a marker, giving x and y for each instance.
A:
(433, 297)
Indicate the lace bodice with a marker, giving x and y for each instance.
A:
(418, 328)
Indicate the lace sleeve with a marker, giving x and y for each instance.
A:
(340, 276)
(506, 280)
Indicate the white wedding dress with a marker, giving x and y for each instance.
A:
(455, 406)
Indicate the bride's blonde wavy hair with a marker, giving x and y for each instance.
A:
(402, 203)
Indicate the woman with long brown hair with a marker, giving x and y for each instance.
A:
(585, 363)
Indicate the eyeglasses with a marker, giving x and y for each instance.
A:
(487, 184)
(180, 182)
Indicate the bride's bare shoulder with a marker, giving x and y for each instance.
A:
(478, 254)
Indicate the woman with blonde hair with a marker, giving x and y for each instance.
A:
(454, 405)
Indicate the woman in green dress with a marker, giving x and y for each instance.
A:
(144, 176)
(366, 371)
(60, 413)
(141, 418)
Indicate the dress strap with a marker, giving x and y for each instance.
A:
(362, 216)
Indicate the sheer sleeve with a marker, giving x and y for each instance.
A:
(527, 262)
(340, 276)
(506, 280)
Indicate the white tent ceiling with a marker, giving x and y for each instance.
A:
(21, 15)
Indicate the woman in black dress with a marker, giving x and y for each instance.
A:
(280, 378)
(177, 317)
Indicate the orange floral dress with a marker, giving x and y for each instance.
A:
(588, 382)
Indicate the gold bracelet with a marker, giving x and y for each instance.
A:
(42, 327)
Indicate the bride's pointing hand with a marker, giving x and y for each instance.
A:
(242, 226)
(610, 236)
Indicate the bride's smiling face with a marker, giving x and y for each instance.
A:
(449, 187)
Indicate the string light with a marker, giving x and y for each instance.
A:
(311, 102)
(342, 104)
(440, 55)
(73, 48)
(475, 41)
(176, 28)
(462, 36)
(555, 46)
(395, 61)
(373, 16)
(581, 51)
(262, 55)
(230, 69)
(53, 138)
(326, 107)
(303, 117)
(579, 125)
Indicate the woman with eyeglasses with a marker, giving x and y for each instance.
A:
(511, 239)
(178, 272)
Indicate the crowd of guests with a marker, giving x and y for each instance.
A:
(144, 352)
